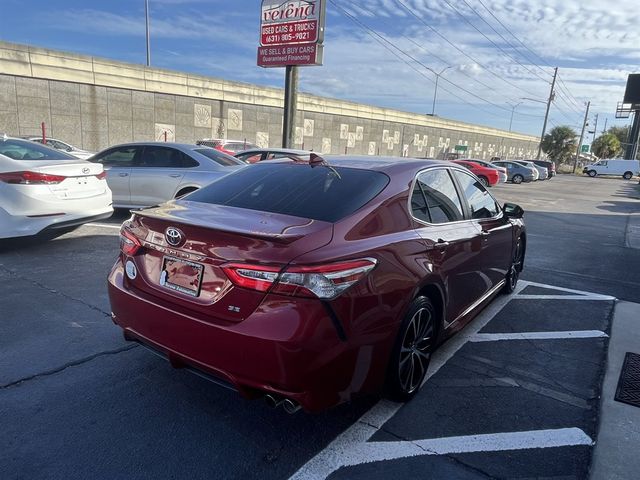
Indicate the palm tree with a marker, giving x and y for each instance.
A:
(606, 145)
(560, 144)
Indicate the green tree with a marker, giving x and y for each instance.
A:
(606, 145)
(560, 144)
(621, 133)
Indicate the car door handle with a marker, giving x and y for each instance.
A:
(123, 174)
(174, 175)
(440, 243)
(484, 233)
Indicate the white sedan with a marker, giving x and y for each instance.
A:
(42, 189)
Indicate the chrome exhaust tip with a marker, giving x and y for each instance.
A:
(272, 401)
(290, 406)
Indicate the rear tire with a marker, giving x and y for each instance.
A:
(412, 353)
(592, 173)
(484, 181)
(627, 175)
(517, 179)
(515, 268)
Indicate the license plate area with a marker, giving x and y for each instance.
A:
(181, 275)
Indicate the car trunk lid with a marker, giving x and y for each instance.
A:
(211, 237)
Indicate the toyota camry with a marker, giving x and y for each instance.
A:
(310, 283)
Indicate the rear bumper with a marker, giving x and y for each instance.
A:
(12, 226)
(289, 350)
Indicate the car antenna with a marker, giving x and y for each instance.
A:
(316, 160)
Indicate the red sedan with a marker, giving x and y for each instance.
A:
(488, 176)
(310, 283)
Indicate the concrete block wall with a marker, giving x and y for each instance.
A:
(94, 103)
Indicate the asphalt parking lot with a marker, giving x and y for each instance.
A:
(514, 395)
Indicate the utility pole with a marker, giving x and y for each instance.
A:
(604, 130)
(584, 125)
(595, 129)
(290, 105)
(146, 17)
(546, 115)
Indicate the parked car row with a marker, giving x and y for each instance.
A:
(514, 171)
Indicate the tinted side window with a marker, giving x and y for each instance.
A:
(117, 157)
(160, 157)
(188, 162)
(481, 203)
(439, 196)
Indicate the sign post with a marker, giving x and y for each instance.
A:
(291, 35)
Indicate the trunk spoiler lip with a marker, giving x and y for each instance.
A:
(170, 212)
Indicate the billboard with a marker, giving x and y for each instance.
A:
(632, 93)
(291, 32)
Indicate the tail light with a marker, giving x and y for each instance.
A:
(102, 175)
(31, 178)
(319, 281)
(129, 243)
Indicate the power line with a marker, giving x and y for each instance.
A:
(489, 87)
(516, 38)
(455, 9)
(434, 30)
(388, 45)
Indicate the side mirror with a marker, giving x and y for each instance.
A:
(69, 149)
(511, 210)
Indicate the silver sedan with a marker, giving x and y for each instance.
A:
(149, 173)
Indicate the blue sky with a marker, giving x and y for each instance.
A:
(592, 41)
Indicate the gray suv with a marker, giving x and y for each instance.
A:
(146, 174)
(516, 172)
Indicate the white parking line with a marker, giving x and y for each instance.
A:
(568, 290)
(564, 297)
(496, 337)
(493, 442)
(351, 447)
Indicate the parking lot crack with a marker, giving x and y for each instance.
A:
(67, 365)
(42, 286)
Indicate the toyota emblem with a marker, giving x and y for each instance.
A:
(173, 236)
(86, 170)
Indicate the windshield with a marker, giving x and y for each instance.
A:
(326, 194)
(28, 150)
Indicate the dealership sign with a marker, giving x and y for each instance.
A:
(291, 33)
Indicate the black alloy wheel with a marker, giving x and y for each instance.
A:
(516, 267)
(412, 353)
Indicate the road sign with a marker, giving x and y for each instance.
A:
(282, 55)
(291, 32)
(460, 148)
(585, 149)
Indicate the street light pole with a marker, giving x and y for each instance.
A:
(435, 91)
(546, 115)
(513, 109)
(146, 17)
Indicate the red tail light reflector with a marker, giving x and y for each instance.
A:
(102, 175)
(31, 178)
(129, 243)
(318, 281)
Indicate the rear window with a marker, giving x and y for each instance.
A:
(320, 193)
(28, 150)
(219, 157)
